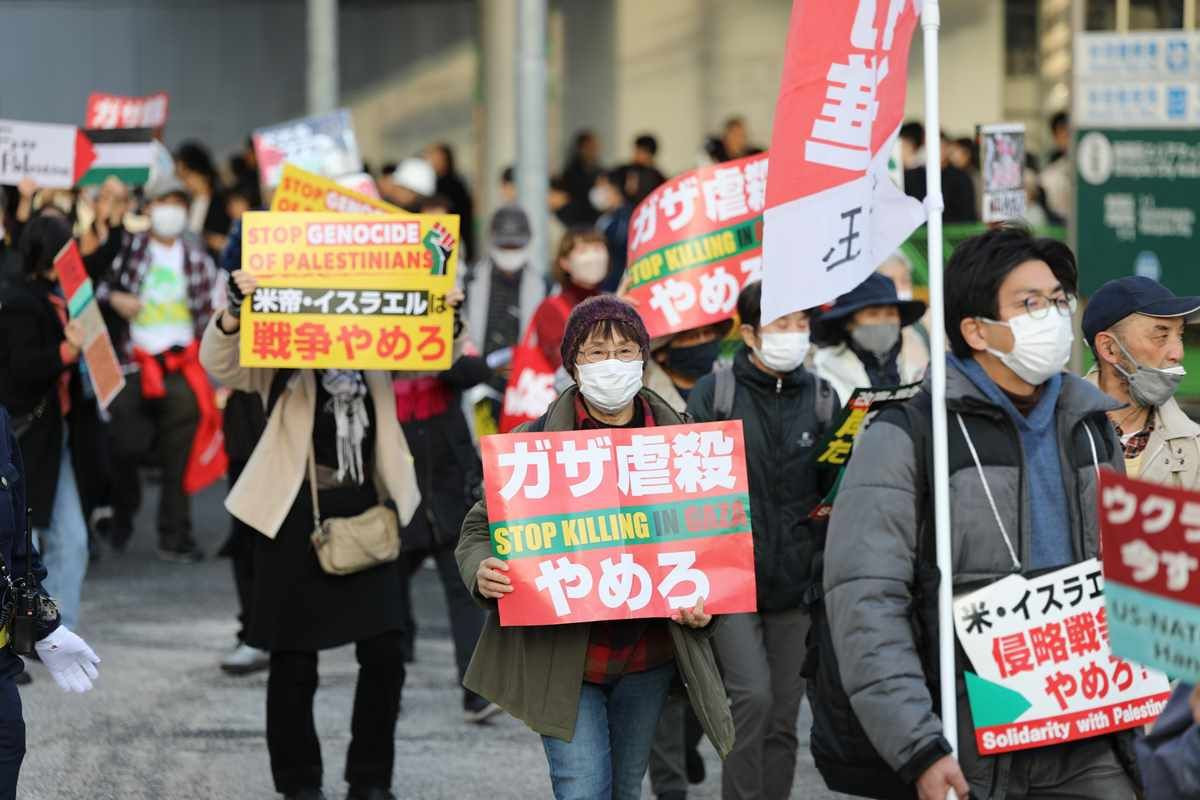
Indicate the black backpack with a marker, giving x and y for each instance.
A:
(725, 389)
(840, 747)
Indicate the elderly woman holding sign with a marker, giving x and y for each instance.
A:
(593, 690)
(315, 487)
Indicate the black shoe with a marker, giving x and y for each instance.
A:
(477, 710)
(695, 766)
(187, 554)
(23, 678)
(306, 794)
(118, 538)
(374, 793)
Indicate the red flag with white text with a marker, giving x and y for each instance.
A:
(832, 213)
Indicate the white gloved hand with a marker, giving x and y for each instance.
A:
(71, 662)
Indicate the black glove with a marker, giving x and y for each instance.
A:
(235, 296)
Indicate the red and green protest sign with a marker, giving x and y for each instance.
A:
(621, 523)
(1044, 672)
(103, 368)
(1151, 537)
(694, 242)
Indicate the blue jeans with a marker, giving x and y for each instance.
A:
(607, 757)
(64, 545)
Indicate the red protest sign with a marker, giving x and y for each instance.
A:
(694, 242)
(1151, 537)
(108, 111)
(530, 388)
(621, 523)
(832, 212)
(103, 368)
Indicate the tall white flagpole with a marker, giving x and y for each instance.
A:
(930, 23)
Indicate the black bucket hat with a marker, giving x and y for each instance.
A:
(876, 290)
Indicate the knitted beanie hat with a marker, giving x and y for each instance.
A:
(591, 312)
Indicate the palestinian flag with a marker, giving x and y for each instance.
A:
(125, 153)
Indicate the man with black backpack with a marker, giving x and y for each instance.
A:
(785, 410)
(1026, 442)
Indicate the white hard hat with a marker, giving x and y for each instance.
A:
(416, 175)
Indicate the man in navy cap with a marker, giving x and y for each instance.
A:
(1134, 326)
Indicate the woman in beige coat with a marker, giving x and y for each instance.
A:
(348, 419)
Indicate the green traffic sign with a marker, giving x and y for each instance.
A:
(1137, 201)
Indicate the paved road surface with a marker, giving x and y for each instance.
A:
(166, 724)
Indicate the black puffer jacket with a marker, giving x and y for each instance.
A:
(782, 427)
(449, 473)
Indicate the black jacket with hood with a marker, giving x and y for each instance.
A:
(782, 427)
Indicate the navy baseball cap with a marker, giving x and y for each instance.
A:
(1133, 294)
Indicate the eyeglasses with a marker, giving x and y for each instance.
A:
(1038, 306)
(594, 355)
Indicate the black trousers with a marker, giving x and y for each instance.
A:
(466, 617)
(239, 547)
(12, 739)
(291, 732)
(156, 431)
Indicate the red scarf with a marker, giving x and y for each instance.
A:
(207, 461)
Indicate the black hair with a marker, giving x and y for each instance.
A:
(972, 147)
(1059, 120)
(749, 304)
(580, 138)
(388, 168)
(914, 132)
(41, 240)
(448, 154)
(981, 263)
(646, 142)
(178, 194)
(196, 158)
(635, 183)
(508, 174)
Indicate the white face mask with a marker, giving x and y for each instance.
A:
(1041, 347)
(610, 385)
(510, 259)
(168, 220)
(782, 352)
(588, 268)
(601, 198)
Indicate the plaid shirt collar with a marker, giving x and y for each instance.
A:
(199, 272)
(1135, 444)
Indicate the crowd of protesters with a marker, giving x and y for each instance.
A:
(611, 701)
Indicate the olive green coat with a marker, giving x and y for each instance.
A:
(535, 673)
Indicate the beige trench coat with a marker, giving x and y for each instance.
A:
(278, 466)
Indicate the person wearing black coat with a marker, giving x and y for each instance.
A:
(70, 661)
(785, 411)
(41, 386)
(450, 477)
(450, 184)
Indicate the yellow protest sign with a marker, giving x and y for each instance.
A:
(353, 291)
(300, 190)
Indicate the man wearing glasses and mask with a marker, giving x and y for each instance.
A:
(1026, 442)
(1134, 326)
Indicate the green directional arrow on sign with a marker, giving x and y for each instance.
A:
(993, 704)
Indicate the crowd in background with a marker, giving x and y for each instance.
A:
(165, 260)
